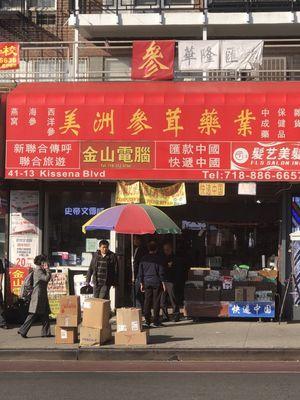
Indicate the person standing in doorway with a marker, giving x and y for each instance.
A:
(104, 269)
(39, 303)
(139, 252)
(170, 273)
(3, 324)
(151, 277)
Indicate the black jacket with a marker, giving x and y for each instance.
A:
(111, 277)
(139, 253)
(151, 270)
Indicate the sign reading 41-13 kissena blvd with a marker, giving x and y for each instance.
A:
(166, 131)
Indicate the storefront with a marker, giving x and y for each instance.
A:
(70, 143)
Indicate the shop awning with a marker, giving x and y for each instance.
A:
(154, 130)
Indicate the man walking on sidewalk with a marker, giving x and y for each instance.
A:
(104, 269)
(151, 276)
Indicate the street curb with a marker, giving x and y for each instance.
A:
(151, 354)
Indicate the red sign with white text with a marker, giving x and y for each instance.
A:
(153, 60)
(154, 131)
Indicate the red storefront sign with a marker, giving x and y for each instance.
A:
(154, 130)
(153, 60)
(9, 56)
(17, 276)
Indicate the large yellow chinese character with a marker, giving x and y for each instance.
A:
(125, 154)
(150, 58)
(17, 274)
(209, 122)
(90, 155)
(172, 117)
(70, 123)
(142, 155)
(104, 120)
(138, 122)
(244, 119)
(107, 155)
(9, 51)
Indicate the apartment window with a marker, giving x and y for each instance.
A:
(45, 19)
(41, 4)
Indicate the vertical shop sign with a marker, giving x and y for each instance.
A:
(153, 60)
(9, 56)
(24, 227)
(16, 279)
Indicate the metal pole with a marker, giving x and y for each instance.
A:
(132, 272)
(204, 32)
(76, 41)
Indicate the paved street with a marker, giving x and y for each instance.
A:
(190, 381)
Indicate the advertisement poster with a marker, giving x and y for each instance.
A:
(9, 56)
(169, 196)
(16, 279)
(24, 228)
(57, 287)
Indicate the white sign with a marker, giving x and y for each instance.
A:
(23, 249)
(198, 55)
(79, 282)
(241, 54)
(247, 188)
(24, 227)
(24, 212)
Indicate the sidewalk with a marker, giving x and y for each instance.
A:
(209, 337)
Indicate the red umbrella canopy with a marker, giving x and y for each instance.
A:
(136, 219)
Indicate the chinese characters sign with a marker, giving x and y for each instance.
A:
(198, 55)
(209, 131)
(246, 309)
(17, 276)
(9, 56)
(153, 60)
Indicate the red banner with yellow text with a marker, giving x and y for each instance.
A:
(9, 55)
(154, 131)
(153, 60)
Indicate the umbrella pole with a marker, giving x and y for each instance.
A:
(132, 272)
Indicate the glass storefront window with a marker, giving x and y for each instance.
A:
(67, 212)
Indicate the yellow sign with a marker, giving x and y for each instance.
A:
(128, 193)
(174, 195)
(212, 189)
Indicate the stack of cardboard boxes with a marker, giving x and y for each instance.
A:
(67, 321)
(129, 327)
(95, 329)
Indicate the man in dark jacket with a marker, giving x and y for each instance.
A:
(139, 252)
(39, 303)
(171, 274)
(2, 319)
(104, 269)
(151, 277)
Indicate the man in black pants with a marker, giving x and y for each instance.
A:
(2, 319)
(151, 277)
(171, 266)
(104, 269)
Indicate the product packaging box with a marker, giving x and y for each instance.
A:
(206, 309)
(264, 295)
(96, 313)
(67, 320)
(70, 305)
(94, 336)
(129, 320)
(66, 335)
(131, 338)
(245, 293)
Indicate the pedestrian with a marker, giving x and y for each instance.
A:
(151, 276)
(139, 252)
(104, 269)
(39, 303)
(3, 324)
(170, 273)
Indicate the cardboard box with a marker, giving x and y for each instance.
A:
(94, 336)
(70, 305)
(199, 309)
(245, 293)
(66, 335)
(96, 313)
(131, 338)
(194, 294)
(66, 320)
(129, 320)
